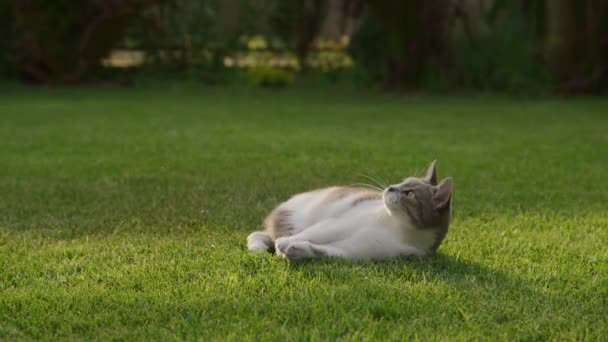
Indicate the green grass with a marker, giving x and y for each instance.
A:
(124, 213)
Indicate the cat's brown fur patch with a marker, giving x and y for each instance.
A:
(278, 223)
(370, 196)
(344, 191)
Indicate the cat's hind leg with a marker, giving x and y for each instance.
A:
(260, 241)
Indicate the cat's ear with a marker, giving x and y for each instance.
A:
(443, 194)
(431, 174)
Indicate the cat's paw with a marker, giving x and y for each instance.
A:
(281, 245)
(413, 251)
(298, 250)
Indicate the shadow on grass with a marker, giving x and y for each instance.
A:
(457, 273)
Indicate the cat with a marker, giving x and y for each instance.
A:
(406, 219)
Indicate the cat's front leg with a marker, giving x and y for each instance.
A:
(407, 250)
(291, 249)
(281, 244)
(299, 250)
(295, 250)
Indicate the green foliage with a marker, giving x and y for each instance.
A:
(269, 77)
(435, 83)
(125, 213)
(369, 49)
(503, 59)
(184, 36)
(267, 63)
(410, 44)
(65, 40)
(416, 49)
(298, 22)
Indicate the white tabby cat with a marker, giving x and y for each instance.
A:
(409, 218)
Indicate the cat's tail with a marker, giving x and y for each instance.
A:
(260, 241)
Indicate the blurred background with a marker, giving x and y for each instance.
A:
(520, 46)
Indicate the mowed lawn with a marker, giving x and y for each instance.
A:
(124, 213)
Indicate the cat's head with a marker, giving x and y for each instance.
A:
(426, 203)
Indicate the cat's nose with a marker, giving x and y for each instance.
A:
(392, 189)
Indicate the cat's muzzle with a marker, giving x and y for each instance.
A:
(391, 196)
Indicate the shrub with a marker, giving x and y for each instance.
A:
(183, 36)
(502, 59)
(369, 50)
(266, 76)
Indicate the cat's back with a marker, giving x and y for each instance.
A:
(332, 201)
(305, 209)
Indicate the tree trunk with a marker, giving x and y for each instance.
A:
(416, 37)
(578, 45)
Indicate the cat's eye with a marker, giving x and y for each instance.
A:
(409, 193)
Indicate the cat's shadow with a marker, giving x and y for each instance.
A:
(454, 271)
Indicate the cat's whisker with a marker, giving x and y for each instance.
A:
(375, 180)
(379, 179)
(368, 186)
